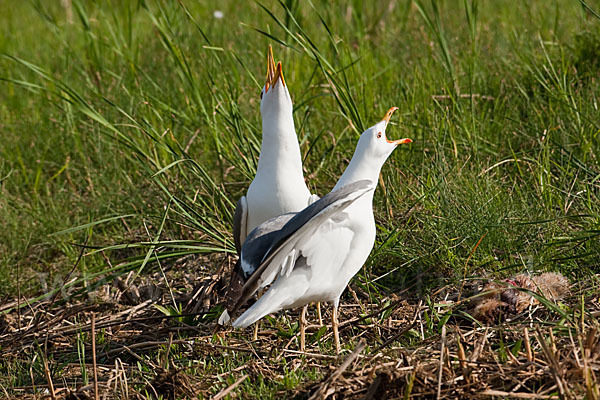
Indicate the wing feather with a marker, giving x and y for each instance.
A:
(301, 227)
(240, 220)
(259, 241)
(334, 236)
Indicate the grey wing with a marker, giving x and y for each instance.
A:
(344, 196)
(259, 241)
(240, 219)
(277, 248)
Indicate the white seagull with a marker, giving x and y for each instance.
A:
(278, 186)
(311, 255)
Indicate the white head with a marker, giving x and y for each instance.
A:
(372, 150)
(374, 144)
(275, 100)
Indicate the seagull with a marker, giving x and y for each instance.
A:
(278, 186)
(311, 255)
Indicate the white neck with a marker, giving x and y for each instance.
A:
(360, 167)
(279, 148)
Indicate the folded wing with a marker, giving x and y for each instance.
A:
(272, 252)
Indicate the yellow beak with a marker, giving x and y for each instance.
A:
(388, 115)
(270, 68)
(274, 73)
(386, 118)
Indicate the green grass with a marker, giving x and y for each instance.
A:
(138, 123)
(131, 106)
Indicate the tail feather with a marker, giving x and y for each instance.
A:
(234, 290)
(224, 318)
(269, 303)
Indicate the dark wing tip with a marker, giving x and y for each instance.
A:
(237, 225)
(236, 282)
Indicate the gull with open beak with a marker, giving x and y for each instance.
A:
(311, 255)
(278, 186)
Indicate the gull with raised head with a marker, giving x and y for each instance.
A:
(311, 255)
(278, 186)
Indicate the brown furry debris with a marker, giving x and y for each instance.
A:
(512, 296)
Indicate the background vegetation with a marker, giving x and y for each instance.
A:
(130, 128)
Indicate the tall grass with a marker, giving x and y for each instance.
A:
(136, 126)
(130, 129)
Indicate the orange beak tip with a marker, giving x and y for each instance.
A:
(278, 74)
(400, 141)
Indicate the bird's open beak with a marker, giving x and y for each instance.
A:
(278, 75)
(387, 117)
(270, 69)
(400, 141)
(274, 73)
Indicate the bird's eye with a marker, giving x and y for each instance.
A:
(261, 95)
(378, 135)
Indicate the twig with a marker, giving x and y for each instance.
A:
(402, 332)
(312, 355)
(372, 314)
(321, 392)
(463, 96)
(554, 367)
(48, 378)
(475, 355)
(462, 358)
(528, 345)
(150, 343)
(94, 366)
(514, 395)
(189, 143)
(84, 328)
(168, 350)
(227, 390)
(441, 370)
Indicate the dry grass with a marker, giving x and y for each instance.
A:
(132, 128)
(399, 351)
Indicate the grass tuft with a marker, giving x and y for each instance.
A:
(131, 128)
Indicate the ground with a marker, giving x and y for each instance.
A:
(130, 130)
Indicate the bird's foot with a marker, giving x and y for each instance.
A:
(303, 328)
